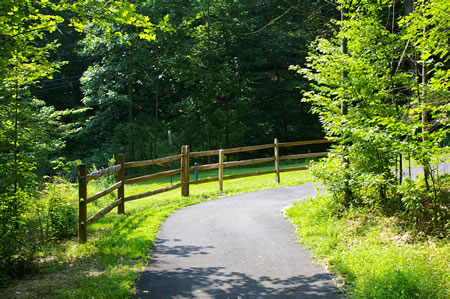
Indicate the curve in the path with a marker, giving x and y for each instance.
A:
(235, 247)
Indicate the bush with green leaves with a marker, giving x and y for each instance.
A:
(419, 210)
(50, 213)
(15, 249)
(378, 106)
(57, 209)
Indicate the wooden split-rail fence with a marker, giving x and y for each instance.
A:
(184, 170)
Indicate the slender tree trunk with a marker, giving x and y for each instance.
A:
(399, 165)
(156, 117)
(227, 125)
(16, 134)
(142, 148)
(208, 80)
(130, 122)
(209, 144)
(409, 8)
(409, 165)
(425, 162)
(344, 111)
(16, 153)
(283, 111)
(209, 74)
(396, 166)
(150, 150)
(283, 118)
(344, 50)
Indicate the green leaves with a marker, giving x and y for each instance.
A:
(384, 103)
(29, 130)
(427, 27)
(109, 17)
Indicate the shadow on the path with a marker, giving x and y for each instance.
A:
(180, 251)
(215, 282)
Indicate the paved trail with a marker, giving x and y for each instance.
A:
(236, 247)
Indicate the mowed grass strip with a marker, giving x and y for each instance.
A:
(119, 246)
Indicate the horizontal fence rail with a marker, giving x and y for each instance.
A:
(153, 192)
(303, 156)
(308, 142)
(102, 172)
(104, 192)
(153, 162)
(184, 172)
(149, 177)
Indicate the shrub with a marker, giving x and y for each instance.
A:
(15, 250)
(427, 210)
(57, 209)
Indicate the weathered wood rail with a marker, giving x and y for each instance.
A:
(184, 171)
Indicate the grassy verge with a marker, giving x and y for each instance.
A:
(373, 254)
(119, 246)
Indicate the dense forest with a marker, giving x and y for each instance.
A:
(84, 80)
(214, 74)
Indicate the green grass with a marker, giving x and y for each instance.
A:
(119, 246)
(373, 254)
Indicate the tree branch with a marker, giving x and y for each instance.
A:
(268, 24)
(296, 7)
(401, 58)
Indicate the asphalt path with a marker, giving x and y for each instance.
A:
(439, 168)
(236, 247)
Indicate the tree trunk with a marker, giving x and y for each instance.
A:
(283, 111)
(283, 118)
(425, 162)
(344, 111)
(156, 118)
(209, 144)
(399, 165)
(344, 50)
(227, 125)
(130, 122)
(16, 154)
(150, 150)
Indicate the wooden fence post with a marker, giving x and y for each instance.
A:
(185, 169)
(82, 205)
(188, 167)
(221, 158)
(121, 178)
(277, 161)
